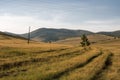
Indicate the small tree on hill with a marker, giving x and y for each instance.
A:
(85, 42)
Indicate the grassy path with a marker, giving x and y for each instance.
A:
(52, 58)
(89, 71)
(37, 58)
(51, 71)
(112, 72)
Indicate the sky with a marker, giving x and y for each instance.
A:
(93, 15)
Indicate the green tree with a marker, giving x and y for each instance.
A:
(85, 42)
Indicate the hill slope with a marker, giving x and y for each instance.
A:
(114, 34)
(48, 34)
(7, 35)
(93, 38)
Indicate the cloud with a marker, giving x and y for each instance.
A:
(102, 25)
(19, 24)
(105, 22)
(72, 14)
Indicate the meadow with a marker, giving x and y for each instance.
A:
(53, 61)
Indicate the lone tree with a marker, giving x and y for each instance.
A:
(85, 42)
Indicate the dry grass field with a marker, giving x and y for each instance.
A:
(45, 61)
(94, 38)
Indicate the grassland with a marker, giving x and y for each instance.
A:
(94, 38)
(45, 61)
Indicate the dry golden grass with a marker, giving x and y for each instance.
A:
(50, 71)
(96, 38)
(45, 61)
(89, 71)
(113, 71)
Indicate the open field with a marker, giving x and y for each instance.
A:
(94, 38)
(45, 61)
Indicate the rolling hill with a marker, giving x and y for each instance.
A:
(114, 33)
(8, 35)
(48, 34)
(93, 38)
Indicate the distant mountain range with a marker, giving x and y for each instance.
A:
(50, 34)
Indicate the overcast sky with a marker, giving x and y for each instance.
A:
(94, 15)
